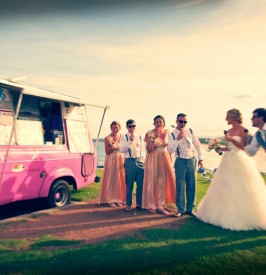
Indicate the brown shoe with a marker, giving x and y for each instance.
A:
(178, 214)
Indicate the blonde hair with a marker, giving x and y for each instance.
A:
(235, 115)
(115, 123)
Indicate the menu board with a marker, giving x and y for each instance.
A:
(6, 124)
(72, 111)
(78, 136)
(29, 132)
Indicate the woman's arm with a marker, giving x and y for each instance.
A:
(149, 142)
(109, 145)
(240, 144)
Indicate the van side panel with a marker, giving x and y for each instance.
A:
(30, 171)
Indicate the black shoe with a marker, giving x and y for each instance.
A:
(192, 213)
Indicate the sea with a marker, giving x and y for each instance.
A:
(211, 159)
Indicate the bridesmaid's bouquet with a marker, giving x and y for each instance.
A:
(215, 144)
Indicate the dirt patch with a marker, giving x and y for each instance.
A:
(87, 222)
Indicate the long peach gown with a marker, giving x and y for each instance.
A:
(159, 179)
(113, 186)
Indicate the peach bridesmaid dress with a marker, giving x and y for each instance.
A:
(159, 178)
(113, 186)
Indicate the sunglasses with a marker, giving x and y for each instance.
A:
(131, 126)
(182, 121)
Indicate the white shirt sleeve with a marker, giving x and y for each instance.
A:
(197, 145)
(172, 143)
(253, 147)
(124, 144)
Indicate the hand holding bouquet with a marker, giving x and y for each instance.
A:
(156, 141)
(215, 144)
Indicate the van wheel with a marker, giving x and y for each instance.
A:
(59, 194)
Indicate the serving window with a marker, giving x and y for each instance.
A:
(39, 121)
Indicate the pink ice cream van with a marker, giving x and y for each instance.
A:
(45, 145)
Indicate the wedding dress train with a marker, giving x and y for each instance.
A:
(236, 198)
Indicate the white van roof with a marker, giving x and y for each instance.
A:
(28, 90)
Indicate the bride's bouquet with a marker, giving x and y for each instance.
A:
(215, 144)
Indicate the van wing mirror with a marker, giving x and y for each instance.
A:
(87, 164)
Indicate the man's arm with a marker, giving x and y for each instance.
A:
(172, 144)
(253, 147)
(197, 146)
(124, 144)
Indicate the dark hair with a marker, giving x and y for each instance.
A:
(181, 114)
(261, 112)
(115, 123)
(130, 121)
(161, 117)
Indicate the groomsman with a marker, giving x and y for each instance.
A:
(259, 139)
(186, 146)
(131, 145)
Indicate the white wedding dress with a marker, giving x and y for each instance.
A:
(236, 198)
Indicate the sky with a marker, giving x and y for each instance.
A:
(142, 58)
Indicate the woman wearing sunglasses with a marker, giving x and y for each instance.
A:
(159, 183)
(131, 146)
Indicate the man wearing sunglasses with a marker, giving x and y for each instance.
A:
(259, 139)
(132, 147)
(187, 149)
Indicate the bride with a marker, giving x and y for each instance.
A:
(236, 198)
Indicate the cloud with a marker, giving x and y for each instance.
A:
(243, 96)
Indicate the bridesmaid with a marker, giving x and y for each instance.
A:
(113, 186)
(159, 180)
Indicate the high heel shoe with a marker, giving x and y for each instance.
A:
(152, 211)
(163, 211)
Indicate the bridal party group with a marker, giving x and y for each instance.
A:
(236, 197)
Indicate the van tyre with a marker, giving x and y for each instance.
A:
(59, 194)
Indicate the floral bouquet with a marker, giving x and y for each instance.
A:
(215, 144)
(152, 138)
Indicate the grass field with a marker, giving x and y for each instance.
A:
(195, 248)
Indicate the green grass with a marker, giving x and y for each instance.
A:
(193, 248)
(87, 193)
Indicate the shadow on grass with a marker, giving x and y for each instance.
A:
(19, 208)
(89, 222)
(194, 248)
(51, 244)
